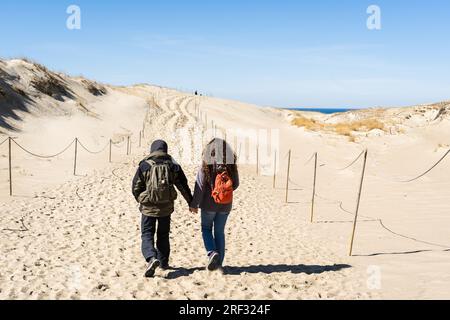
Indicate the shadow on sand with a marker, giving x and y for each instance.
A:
(300, 268)
(266, 269)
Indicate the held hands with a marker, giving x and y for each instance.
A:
(193, 210)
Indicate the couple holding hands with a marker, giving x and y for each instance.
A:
(154, 189)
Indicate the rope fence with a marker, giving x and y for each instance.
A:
(41, 156)
(355, 214)
(75, 142)
(93, 152)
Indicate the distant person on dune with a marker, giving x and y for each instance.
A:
(216, 181)
(153, 188)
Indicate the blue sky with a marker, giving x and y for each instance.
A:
(280, 53)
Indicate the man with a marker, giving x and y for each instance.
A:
(153, 188)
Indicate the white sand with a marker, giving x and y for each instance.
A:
(68, 237)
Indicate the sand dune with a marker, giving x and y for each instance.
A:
(78, 237)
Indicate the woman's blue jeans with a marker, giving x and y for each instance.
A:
(214, 242)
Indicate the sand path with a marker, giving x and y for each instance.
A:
(81, 240)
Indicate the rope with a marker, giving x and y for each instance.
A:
(341, 207)
(118, 144)
(429, 170)
(380, 221)
(410, 238)
(312, 157)
(353, 162)
(92, 152)
(44, 157)
(296, 184)
(4, 141)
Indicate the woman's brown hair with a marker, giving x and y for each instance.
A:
(218, 154)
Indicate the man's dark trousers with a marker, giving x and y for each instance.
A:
(160, 226)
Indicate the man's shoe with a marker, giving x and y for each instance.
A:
(165, 266)
(213, 261)
(151, 268)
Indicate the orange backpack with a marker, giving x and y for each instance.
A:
(223, 189)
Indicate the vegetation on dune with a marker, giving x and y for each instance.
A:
(51, 86)
(94, 88)
(341, 128)
(19, 91)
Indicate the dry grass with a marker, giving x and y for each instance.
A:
(19, 91)
(51, 86)
(307, 123)
(342, 128)
(94, 88)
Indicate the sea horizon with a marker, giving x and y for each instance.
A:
(324, 110)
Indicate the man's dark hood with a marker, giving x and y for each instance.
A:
(159, 146)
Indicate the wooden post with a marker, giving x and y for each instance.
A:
(110, 150)
(287, 176)
(357, 203)
(314, 188)
(257, 152)
(274, 169)
(128, 145)
(257, 159)
(10, 166)
(75, 158)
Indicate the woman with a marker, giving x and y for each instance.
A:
(218, 159)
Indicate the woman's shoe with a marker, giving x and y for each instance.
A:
(153, 264)
(213, 261)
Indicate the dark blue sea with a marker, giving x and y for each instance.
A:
(323, 110)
